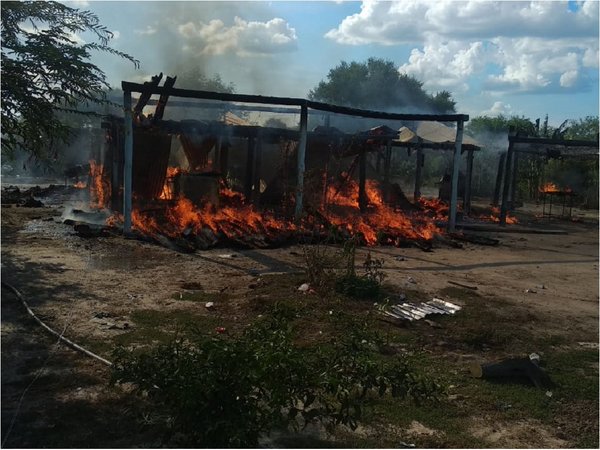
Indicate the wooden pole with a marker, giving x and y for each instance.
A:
(499, 176)
(223, 159)
(128, 163)
(301, 160)
(468, 182)
(506, 187)
(256, 176)
(513, 181)
(249, 169)
(387, 163)
(362, 179)
(418, 170)
(217, 156)
(455, 173)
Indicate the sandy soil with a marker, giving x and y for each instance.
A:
(91, 287)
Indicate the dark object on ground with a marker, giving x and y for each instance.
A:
(516, 369)
(32, 203)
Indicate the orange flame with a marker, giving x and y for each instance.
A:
(495, 217)
(99, 191)
(551, 188)
(379, 221)
(167, 190)
(235, 218)
(80, 185)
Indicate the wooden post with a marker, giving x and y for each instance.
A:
(387, 163)
(468, 181)
(256, 175)
(362, 179)
(506, 187)
(249, 170)
(418, 170)
(513, 181)
(223, 159)
(128, 163)
(455, 172)
(301, 160)
(217, 156)
(499, 176)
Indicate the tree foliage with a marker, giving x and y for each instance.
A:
(194, 78)
(501, 124)
(46, 70)
(586, 128)
(377, 84)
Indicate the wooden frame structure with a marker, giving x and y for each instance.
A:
(149, 89)
(509, 162)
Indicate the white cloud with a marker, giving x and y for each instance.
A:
(445, 65)
(243, 38)
(533, 45)
(569, 78)
(116, 34)
(412, 20)
(497, 109)
(77, 3)
(148, 31)
(590, 57)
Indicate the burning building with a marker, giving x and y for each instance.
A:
(216, 177)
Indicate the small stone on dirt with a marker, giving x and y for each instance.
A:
(304, 287)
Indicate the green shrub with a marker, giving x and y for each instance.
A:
(227, 391)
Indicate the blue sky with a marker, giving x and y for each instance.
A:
(523, 58)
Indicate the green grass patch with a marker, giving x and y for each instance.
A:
(153, 326)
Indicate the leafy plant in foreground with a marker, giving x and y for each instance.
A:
(227, 391)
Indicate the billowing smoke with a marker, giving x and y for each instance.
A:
(242, 42)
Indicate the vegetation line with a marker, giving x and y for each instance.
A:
(67, 341)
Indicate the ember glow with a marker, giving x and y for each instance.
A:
(80, 185)
(551, 188)
(99, 187)
(495, 216)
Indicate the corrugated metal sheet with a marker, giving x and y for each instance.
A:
(413, 311)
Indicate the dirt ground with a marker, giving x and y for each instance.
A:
(97, 290)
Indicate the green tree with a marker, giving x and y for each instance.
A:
(46, 71)
(586, 128)
(194, 78)
(501, 124)
(377, 84)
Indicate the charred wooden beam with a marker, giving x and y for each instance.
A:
(387, 163)
(499, 177)
(162, 101)
(224, 158)
(249, 169)
(149, 87)
(128, 163)
(256, 172)
(506, 188)
(468, 182)
(301, 161)
(362, 179)
(455, 172)
(513, 181)
(222, 96)
(418, 171)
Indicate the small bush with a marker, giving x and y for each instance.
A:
(227, 391)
